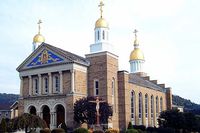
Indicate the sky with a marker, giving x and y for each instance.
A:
(168, 36)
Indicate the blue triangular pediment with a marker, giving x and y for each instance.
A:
(45, 57)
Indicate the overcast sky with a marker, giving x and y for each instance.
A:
(168, 34)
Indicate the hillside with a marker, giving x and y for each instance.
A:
(6, 100)
(188, 105)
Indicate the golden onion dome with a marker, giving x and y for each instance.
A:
(136, 54)
(38, 38)
(101, 23)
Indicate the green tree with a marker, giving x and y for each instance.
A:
(85, 111)
(28, 122)
(130, 125)
(3, 125)
(171, 118)
(178, 120)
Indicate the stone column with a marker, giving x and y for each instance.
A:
(50, 83)
(40, 114)
(30, 85)
(21, 86)
(52, 120)
(61, 82)
(72, 81)
(40, 84)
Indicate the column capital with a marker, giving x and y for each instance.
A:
(72, 70)
(60, 72)
(49, 74)
(39, 75)
(29, 76)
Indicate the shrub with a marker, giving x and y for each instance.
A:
(130, 125)
(46, 130)
(98, 131)
(110, 130)
(141, 127)
(58, 130)
(64, 126)
(3, 125)
(140, 131)
(150, 129)
(131, 131)
(165, 130)
(80, 130)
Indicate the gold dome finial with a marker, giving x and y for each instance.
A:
(136, 54)
(38, 38)
(101, 22)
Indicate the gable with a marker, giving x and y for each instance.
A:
(45, 57)
(41, 57)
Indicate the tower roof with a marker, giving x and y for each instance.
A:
(101, 23)
(137, 54)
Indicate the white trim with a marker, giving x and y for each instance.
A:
(49, 69)
(101, 53)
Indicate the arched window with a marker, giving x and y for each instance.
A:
(152, 110)
(140, 105)
(96, 87)
(157, 111)
(46, 84)
(146, 106)
(103, 34)
(161, 104)
(133, 107)
(57, 83)
(113, 94)
(113, 87)
(98, 35)
(140, 109)
(36, 85)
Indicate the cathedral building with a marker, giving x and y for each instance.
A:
(52, 79)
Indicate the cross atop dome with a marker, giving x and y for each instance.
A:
(38, 38)
(101, 7)
(39, 22)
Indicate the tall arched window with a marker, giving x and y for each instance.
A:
(103, 34)
(157, 111)
(146, 106)
(152, 110)
(45, 84)
(36, 85)
(57, 83)
(161, 104)
(133, 107)
(96, 87)
(140, 108)
(98, 35)
(113, 94)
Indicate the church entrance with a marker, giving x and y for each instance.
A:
(46, 114)
(32, 110)
(60, 114)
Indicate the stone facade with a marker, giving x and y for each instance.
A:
(50, 90)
